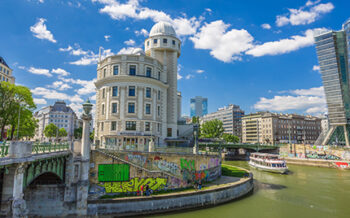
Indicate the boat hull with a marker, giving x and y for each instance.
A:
(269, 169)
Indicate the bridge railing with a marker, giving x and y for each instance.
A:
(35, 148)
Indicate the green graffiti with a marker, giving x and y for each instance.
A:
(134, 185)
(187, 164)
(113, 172)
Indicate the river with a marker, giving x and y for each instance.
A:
(305, 192)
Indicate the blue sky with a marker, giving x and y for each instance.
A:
(256, 54)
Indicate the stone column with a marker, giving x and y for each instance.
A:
(19, 207)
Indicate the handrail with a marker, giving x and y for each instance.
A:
(47, 148)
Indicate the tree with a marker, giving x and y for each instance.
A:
(195, 119)
(62, 133)
(12, 100)
(92, 134)
(78, 133)
(230, 138)
(51, 130)
(27, 127)
(212, 129)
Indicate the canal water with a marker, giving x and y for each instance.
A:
(305, 192)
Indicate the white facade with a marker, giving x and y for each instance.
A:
(137, 97)
(59, 114)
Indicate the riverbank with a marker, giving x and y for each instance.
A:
(340, 164)
(219, 191)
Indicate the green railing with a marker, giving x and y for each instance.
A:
(4, 149)
(49, 147)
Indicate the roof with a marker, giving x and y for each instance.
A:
(3, 62)
(162, 29)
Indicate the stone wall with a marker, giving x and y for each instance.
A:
(161, 171)
(171, 202)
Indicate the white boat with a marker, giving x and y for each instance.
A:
(268, 162)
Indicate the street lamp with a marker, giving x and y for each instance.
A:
(87, 107)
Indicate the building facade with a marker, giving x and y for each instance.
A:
(199, 106)
(137, 97)
(333, 55)
(6, 72)
(273, 128)
(59, 114)
(231, 117)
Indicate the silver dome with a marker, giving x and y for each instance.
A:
(162, 29)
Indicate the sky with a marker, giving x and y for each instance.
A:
(259, 55)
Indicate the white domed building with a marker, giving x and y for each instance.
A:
(137, 97)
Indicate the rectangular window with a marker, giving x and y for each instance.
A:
(113, 126)
(148, 92)
(147, 43)
(159, 94)
(148, 108)
(173, 42)
(158, 127)
(103, 93)
(130, 125)
(104, 73)
(155, 41)
(114, 108)
(158, 110)
(131, 90)
(159, 75)
(131, 108)
(102, 126)
(115, 70)
(169, 132)
(103, 109)
(148, 72)
(165, 41)
(132, 70)
(147, 126)
(115, 91)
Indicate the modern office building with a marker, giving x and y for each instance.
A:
(231, 117)
(333, 55)
(199, 106)
(137, 97)
(6, 72)
(59, 114)
(273, 128)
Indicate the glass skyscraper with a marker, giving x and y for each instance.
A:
(333, 55)
(199, 106)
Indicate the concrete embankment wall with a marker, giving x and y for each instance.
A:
(171, 202)
(318, 163)
(160, 171)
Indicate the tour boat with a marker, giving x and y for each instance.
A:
(268, 162)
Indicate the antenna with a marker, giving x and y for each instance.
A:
(99, 53)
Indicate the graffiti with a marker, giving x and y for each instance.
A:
(138, 159)
(135, 184)
(342, 165)
(322, 156)
(113, 172)
(214, 162)
(187, 164)
(157, 158)
(174, 182)
(201, 175)
(203, 167)
(167, 166)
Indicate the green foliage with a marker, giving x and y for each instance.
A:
(230, 138)
(78, 133)
(212, 129)
(62, 132)
(233, 171)
(51, 130)
(15, 99)
(195, 119)
(92, 135)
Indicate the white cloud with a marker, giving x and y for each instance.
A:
(77, 108)
(92, 58)
(132, 9)
(179, 76)
(316, 68)
(50, 94)
(223, 45)
(130, 42)
(266, 26)
(200, 71)
(40, 71)
(107, 37)
(60, 72)
(75, 51)
(208, 9)
(301, 16)
(189, 76)
(60, 85)
(309, 100)
(143, 32)
(69, 48)
(88, 86)
(285, 45)
(41, 1)
(130, 50)
(39, 101)
(40, 31)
